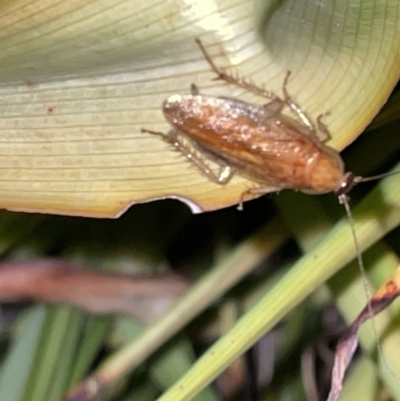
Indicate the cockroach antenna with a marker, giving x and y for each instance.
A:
(348, 182)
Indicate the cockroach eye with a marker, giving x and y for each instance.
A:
(346, 185)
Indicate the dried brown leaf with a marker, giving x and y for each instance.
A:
(145, 297)
(349, 342)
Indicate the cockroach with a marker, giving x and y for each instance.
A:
(260, 142)
(256, 141)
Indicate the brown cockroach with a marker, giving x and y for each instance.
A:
(260, 142)
(257, 141)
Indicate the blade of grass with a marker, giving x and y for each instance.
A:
(19, 362)
(222, 277)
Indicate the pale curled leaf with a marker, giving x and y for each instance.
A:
(79, 82)
(98, 292)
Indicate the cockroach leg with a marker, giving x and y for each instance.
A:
(275, 106)
(158, 133)
(323, 132)
(172, 137)
(276, 103)
(296, 108)
(256, 191)
(194, 90)
(221, 74)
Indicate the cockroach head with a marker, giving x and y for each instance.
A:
(346, 184)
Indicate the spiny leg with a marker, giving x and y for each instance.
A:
(256, 191)
(277, 103)
(275, 107)
(323, 131)
(172, 137)
(194, 90)
(233, 80)
(295, 107)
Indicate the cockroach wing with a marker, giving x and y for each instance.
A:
(267, 147)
